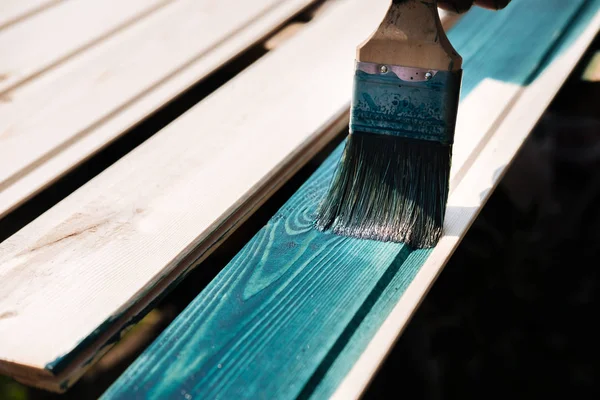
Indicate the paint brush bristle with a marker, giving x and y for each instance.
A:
(389, 189)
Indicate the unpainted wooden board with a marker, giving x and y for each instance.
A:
(54, 123)
(14, 11)
(66, 353)
(52, 36)
(276, 318)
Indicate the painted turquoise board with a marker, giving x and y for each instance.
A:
(294, 308)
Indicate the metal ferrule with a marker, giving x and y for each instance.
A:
(406, 102)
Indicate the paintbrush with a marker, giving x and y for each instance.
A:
(392, 181)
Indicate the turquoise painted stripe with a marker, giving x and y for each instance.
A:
(291, 312)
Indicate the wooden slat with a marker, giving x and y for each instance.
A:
(276, 319)
(83, 250)
(13, 11)
(56, 34)
(49, 126)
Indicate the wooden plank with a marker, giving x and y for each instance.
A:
(13, 11)
(66, 246)
(51, 37)
(277, 317)
(52, 124)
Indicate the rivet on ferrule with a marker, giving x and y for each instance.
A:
(408, 74)
(413, 103)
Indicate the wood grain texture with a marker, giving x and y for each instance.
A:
(296, 303)
(14, 11)
(49, 126)
(52, 36)
(45, 267)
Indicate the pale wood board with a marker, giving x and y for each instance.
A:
(14, 11)
(52, 124)
(51, 37)
(484, 171)
(292, 158)
(38, 375)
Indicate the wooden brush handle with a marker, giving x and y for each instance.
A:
(411, 35)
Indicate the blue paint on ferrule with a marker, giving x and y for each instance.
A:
(424, 110)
